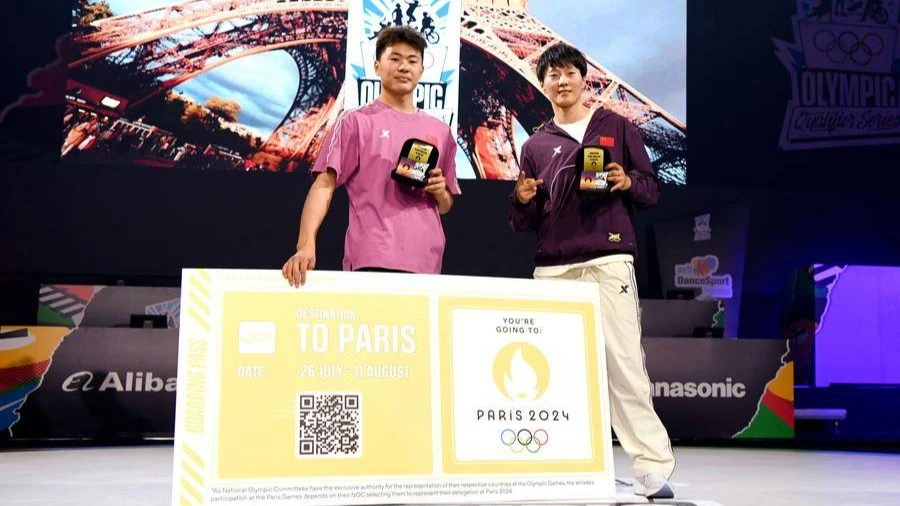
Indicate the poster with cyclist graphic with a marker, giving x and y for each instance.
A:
(437, 20)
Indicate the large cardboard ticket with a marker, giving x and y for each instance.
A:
(370, 388)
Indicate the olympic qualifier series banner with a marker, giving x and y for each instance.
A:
(371, 388)
(437, 21)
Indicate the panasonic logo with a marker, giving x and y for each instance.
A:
(725, 389)
(84, 381)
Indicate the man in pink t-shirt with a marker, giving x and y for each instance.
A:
(393, 226)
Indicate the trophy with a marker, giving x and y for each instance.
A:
(589, 166)
(417, 159)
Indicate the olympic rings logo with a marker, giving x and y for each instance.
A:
(838, 48)
(524, 439)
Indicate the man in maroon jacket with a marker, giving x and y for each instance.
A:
(591, 238)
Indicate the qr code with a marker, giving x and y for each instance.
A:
(329, 424)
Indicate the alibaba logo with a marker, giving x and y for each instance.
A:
(521, 372)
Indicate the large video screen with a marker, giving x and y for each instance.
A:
(858, 335)
(254, 85)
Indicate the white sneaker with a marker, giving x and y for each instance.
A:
(653, 486)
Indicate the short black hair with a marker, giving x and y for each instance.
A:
(561, 55)
(394, 34)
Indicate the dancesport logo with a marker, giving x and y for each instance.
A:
(521, 372)
(523, 439)
(700, 273)
(844, 74)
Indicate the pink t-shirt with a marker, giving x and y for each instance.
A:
(392, 225)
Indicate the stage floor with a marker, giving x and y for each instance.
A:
(142, 476)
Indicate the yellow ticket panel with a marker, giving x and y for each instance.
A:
(371, 388)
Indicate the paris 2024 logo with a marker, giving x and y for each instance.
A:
(521, 374)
